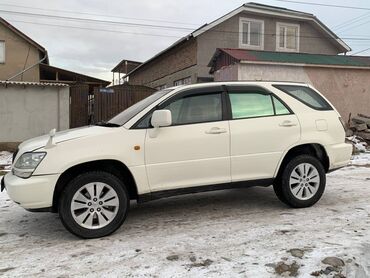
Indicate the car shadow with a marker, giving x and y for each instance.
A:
(202, 207)
(247, 204)
(206, 206)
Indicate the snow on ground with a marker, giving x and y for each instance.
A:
(361, 159)
(5, 160)
(358, 142)
(231, 233)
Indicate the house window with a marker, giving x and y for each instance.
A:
(2, 52)
(287, 37)
(184, 81)
(161, 87)
(251, 33)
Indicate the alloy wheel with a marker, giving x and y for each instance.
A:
(304, 181)
(94, 205)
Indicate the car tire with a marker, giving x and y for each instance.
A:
(278, 190)
(94, 204)
(302, 182)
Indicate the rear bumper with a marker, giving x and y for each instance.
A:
(339, 155)
(34, 193)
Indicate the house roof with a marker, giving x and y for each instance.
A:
(48, 74)
(25, 37)
(126, 64)
(269, 57)
(258, 9)
(25, 83)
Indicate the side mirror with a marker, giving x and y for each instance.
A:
(161, 118)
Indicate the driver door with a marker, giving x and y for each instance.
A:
(194, 150)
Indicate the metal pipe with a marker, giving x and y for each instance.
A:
(30, 67)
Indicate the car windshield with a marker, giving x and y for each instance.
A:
(130, 112)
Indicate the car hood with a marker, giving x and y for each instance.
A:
(62, 136)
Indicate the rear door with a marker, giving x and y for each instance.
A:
(262, 127)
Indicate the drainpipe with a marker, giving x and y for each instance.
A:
(30, 67)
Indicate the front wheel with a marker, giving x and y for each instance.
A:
(302, 182)
(94, 204)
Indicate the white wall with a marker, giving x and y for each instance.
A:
(272, 73)
(28, 111)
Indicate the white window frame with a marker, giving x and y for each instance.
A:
(243, 45)
(282, 24)
(182, 81)
(3, 42)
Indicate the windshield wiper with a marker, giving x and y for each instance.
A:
(107, 124)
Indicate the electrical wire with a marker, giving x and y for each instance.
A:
(350, 22)
(130, 24)
(96, 14)
(96, 20)
(358, 52)
(95, 29)
(352, 27)
(325, 5)
(171, 36)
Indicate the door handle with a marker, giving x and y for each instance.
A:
(216, 130)
(287, 124)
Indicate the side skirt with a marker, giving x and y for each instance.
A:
(197, 189)
(48, 209)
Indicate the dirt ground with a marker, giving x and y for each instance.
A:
(231, 233)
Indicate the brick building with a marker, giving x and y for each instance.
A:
(251, 26)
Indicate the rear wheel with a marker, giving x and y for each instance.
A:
(94, 204)
(302, 182)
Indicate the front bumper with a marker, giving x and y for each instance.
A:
(33, 193)
(339, 155)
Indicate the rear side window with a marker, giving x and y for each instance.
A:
(280, 108)
(251, 104)
(248, 105)
(305, 95)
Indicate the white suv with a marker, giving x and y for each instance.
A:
(182, 140)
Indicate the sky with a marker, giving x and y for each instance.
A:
(94, 48)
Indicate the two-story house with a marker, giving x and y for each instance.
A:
(251, 26)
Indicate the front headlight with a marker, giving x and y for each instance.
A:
(27, 163)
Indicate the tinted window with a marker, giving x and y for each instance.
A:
(280, 108)
(191, 109)
(247, 105)
(306, 95)
(196, 109)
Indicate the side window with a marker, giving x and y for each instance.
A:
(248, 105)
(196, 109)
(305, 95)
(145, 122)
(280, 108)
(192, 109)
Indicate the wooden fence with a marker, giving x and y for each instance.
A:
(79, 105)
(110, 101)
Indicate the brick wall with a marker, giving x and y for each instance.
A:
(181, 57)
